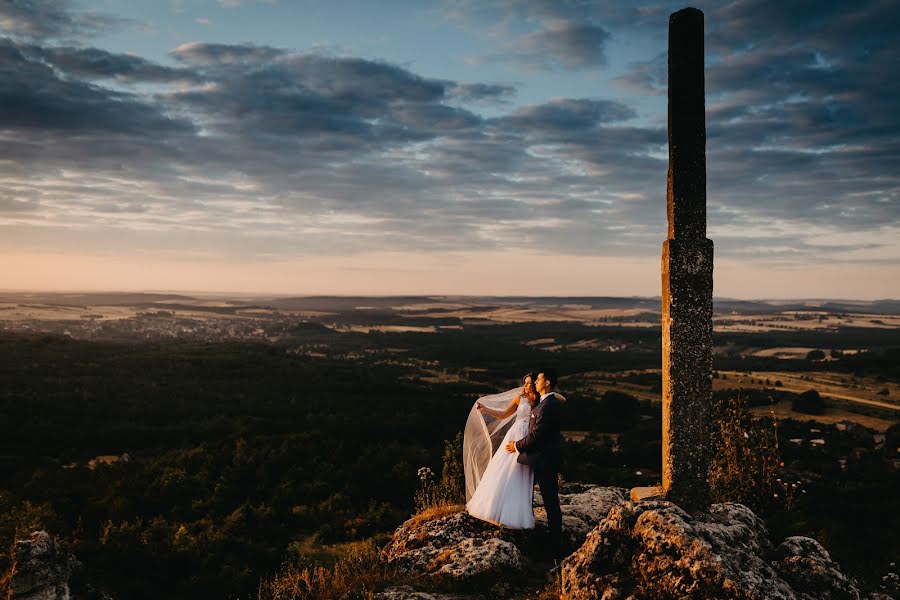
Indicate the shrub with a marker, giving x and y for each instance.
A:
(619, 410)
(746, 465)
(449, 490)
(809, 402)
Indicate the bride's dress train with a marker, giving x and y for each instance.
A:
(504, 494)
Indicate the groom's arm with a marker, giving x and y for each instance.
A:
(542, 428)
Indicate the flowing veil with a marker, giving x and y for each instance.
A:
(483, 434)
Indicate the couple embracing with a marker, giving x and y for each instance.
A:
(511, 441)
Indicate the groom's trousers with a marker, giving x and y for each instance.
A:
(549, 483)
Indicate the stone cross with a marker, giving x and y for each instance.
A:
(687, 282)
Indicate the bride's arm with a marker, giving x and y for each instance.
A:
(500, 414)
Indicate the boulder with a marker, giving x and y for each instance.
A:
(808, 568)
(454, 546)
(582, 506)
(468, 553)
(654, 549)
(628, 551)
(41, 569)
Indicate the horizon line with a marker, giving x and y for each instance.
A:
(257, 295)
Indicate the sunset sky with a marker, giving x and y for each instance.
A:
(427, 147)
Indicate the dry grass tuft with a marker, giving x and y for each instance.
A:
(435, 512)
(360, 573)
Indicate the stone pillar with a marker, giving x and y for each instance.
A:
(687, 268)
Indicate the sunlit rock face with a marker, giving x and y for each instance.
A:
(468, 553)
(42, 569)
(657, 550)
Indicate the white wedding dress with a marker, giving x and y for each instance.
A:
(505, 492)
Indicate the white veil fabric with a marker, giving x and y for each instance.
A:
(483, 434)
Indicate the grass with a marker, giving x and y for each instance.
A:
(359, 573)
(435, 511)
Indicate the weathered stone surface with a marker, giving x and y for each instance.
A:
(583, 506)
(687, 126)
(633, 551)
(454, 545)
(687, 273)
(807, 567)
(41, 570)
(405, 592)
(657, 550)
(640, 494)
(459, 549)
(687, 266)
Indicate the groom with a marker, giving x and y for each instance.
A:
(540, 450)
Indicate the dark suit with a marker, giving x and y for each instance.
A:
(540, 449)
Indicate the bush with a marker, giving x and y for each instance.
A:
(815, 355)
(450, 490)
(809, 402)
(618, 410)
(746, 466)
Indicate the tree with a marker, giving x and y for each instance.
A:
(618, 408)
(809, 402)
(815, 355)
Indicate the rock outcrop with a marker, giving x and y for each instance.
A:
(466, 553)
(41, 569)
(622, 550)
(657, 550)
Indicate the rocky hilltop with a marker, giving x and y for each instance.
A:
(622, 550)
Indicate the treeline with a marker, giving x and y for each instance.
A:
(238, 451)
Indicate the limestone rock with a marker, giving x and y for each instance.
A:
(807, 566)
(655, 549)
(630, 551)
(469, 553)
(405, 592)
(41, 570)
(455, 546)
(583, 506)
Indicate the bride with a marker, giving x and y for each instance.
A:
(499, 489)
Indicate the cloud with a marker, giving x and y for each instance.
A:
(37, 98)
(93, 63)
(52, 19)
(482, 93)
(556, 46)
(566, 115)
(254, 150)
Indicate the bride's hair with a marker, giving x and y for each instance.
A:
(532, 395)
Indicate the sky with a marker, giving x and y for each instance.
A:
(490, 147)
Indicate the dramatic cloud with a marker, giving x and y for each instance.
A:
(51, 19)
(253, 150)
